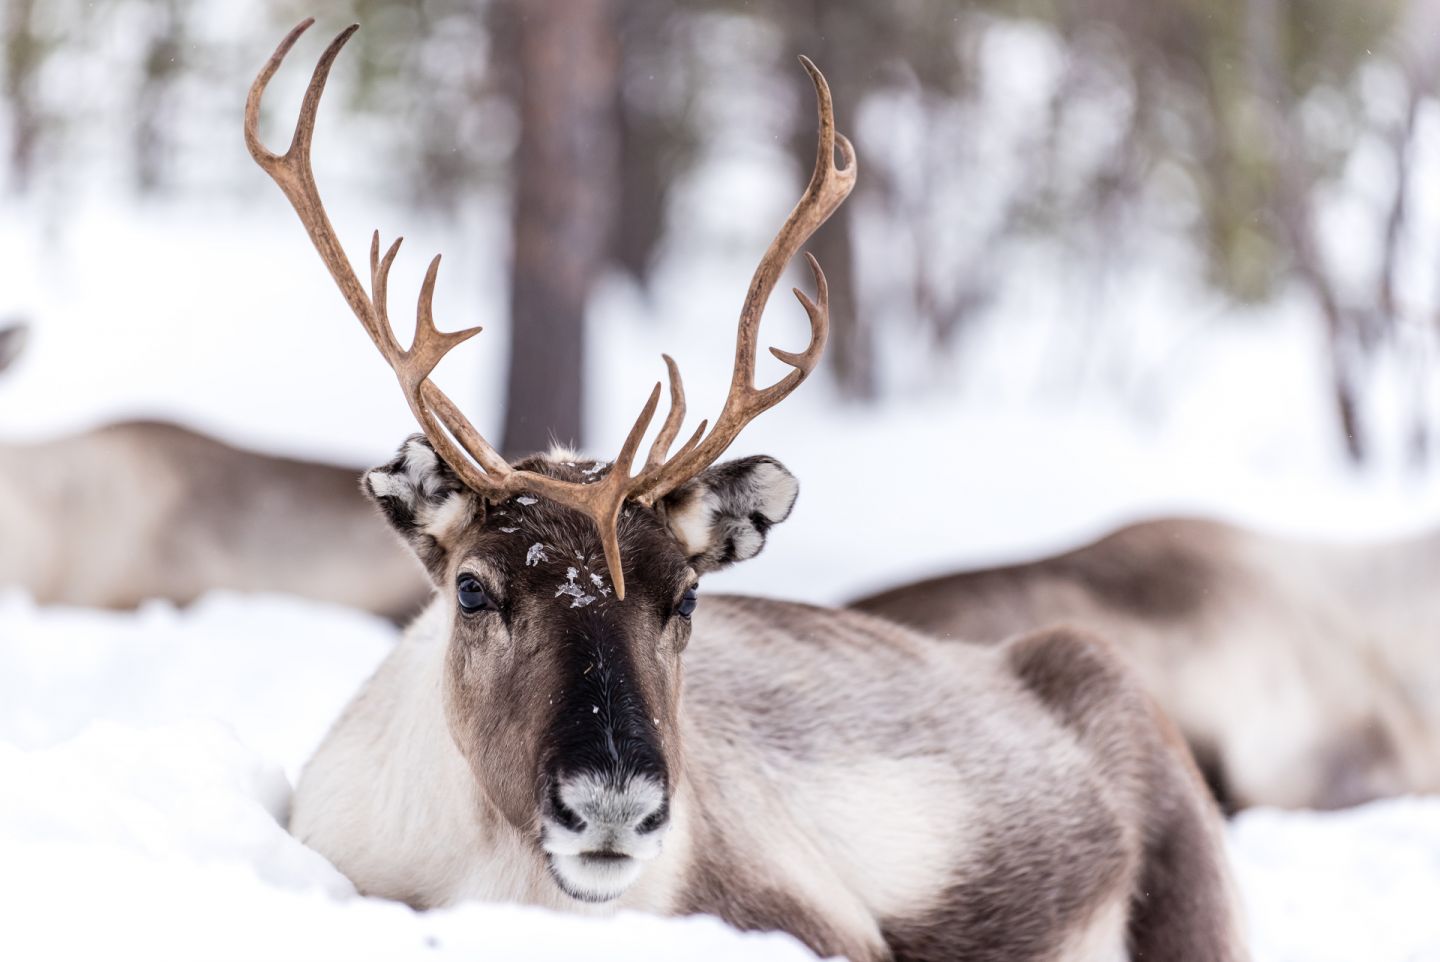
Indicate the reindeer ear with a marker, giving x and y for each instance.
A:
(723, 515)
(424, 501)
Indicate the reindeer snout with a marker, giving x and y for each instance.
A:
(599, 831)
(596, 805)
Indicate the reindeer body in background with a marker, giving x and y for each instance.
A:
(1302, 675)
(146, 509)
(876, 793)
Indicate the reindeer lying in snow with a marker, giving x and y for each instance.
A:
(876, 793)
(144, 509)
(1302, 675)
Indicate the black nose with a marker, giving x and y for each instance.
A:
(561, 812)
(655, 820)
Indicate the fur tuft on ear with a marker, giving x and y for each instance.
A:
(723, 515)
(423, 500)
(12, 342)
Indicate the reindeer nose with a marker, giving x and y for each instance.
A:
(586, 803)
(563, 813)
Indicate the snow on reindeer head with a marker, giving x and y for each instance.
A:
(570, 584)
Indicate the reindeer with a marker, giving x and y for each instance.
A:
(566, 725)
(1301, 675)
(147, 509)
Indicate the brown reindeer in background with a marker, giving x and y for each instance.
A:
(1302, 675)
(567, 726)
(147, 509)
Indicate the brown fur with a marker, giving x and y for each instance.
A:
(724, 884)
(1181, 899)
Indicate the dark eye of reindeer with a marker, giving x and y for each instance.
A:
(472, 595)
(687, 604)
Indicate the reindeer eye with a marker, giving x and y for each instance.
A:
(687, 604)
(472, 596)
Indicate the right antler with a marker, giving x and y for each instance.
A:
(829, 186)
(484, 470)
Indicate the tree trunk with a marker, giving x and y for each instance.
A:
(565, 174)
(161, 69)
(647, 144)
(23, 54)
(1292, 202)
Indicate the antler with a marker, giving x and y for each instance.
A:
(479, 465)
(829, 185)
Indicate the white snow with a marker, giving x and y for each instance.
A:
(535, 555)
(1344, 886)
(570, 589)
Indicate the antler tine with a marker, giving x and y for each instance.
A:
(291, 170)
(431, 344)
(673, 417)
(829, 185)
(617, 489)
(265, 157)
(379, 291)
(819, 312)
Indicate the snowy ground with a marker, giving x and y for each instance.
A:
(147, 759)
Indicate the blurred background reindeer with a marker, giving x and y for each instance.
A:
(135, 510)
(1302, 675)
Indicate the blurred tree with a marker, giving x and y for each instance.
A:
(24, 52)
(657, 142)
(161, 67)
(427, 66)
(563, 214)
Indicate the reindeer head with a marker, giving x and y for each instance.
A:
(563, 698)
(568, 584)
